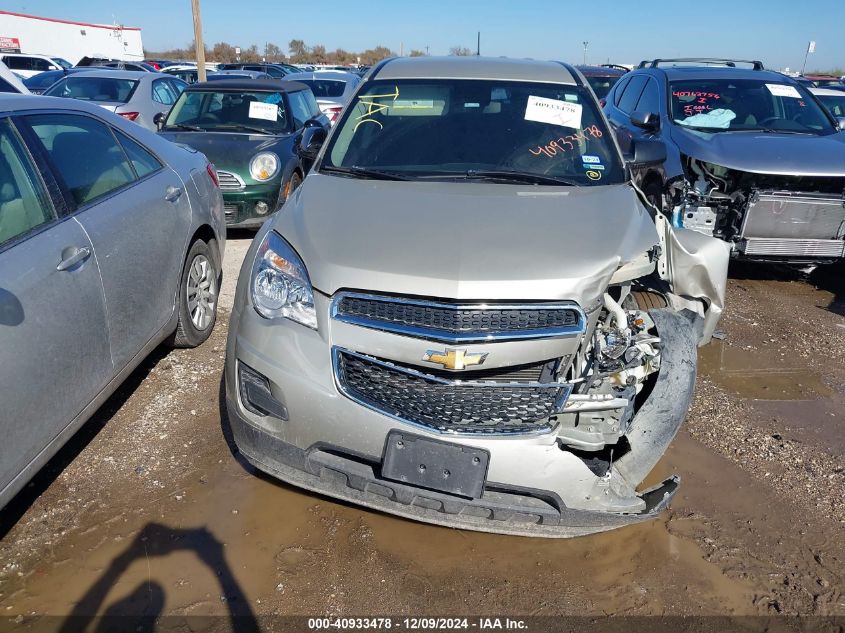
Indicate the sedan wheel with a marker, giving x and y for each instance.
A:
(197, 297)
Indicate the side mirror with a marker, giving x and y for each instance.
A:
(312, 140)
(647, 152)
(841, 121)
(648, 121)
(158, 120)
(315, 122)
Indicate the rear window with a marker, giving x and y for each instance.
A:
(602, 85)
(94, 89)
(325, 88)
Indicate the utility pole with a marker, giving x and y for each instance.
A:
(426, 49)
(478, 46)
(198, 44)
(586, 44)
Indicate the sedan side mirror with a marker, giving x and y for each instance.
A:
(647, 152)
(314, 122)
(158, 120)
(312, 140)
(841, 121)
(648, 121)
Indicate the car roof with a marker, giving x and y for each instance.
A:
(254, 85)
(716, 72)
(600, 71)
(103, 72)
(337, 75)
(458, 67)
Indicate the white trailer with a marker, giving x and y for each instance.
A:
(67, 39)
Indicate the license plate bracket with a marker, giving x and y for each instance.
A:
(434, 464)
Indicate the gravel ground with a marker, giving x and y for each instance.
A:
(149, 510)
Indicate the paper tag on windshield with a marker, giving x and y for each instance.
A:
(780, 90)
(265, 111)
(553, 111)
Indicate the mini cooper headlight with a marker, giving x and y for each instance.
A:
(264, 166)
(280, 284)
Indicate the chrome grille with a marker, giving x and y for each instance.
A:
(458, 322)
(229, 181)
(448, 406)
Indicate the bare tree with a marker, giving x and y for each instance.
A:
(460, 51)
(298, 51)
(273, 53)
(417, 53)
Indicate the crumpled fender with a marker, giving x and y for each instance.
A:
(696, 266)
(661, 415)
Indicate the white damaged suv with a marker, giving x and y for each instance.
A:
(467, 314)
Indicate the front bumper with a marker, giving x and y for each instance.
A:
(239, 206)
(333, 446)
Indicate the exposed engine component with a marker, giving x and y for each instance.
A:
(762, 215)
(621, 356)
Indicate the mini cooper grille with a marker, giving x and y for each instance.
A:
(423, 318)
(229, 181)
(448, 406)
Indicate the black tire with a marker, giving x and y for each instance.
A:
(200, 272)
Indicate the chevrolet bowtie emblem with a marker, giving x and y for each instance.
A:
(455, 358)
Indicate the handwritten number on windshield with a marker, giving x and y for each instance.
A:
(373, 108)
(566, 143)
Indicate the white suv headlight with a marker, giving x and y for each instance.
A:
(264, 166)
(280, 284)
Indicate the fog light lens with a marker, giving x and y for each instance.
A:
(261, 208)
(256, 395)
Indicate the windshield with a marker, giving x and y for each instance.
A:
(602, 85)
(463, 128)
(324, 88)
(230, 110)
(824, 83)
(834, 103)
(746, 104)
(94, 89)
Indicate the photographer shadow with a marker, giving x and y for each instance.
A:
(141, 610)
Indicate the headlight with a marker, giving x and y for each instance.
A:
(264, 166)
(280, 284)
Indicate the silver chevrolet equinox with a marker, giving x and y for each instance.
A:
(467, 314)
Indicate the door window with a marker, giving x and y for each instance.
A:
(632, 94)
(41, 64)
(24, 205)
(302, 107)
(85, 153)
(143, 162)
(649, 99)
(163, 92)
(18, 63)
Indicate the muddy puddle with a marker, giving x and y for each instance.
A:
(229, 542)
(778, 387)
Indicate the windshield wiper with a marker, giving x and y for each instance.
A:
(247, 128)
(184, 126)
(508, 176)
(363, 172)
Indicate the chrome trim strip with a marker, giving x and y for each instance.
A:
(560, 402)
(457, 339)
(228, 186)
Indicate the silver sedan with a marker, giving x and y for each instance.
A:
(111, 240)
(332, 89)
(136, 96)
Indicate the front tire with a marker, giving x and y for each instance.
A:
(197, 300)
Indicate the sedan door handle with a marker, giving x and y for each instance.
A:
(76, 256)
(172, 194)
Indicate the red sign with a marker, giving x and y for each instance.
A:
(10, 45)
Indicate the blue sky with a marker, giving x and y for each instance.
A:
(775, 31)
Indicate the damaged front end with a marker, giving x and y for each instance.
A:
(768, 217)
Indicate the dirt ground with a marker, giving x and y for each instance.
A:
(149, 509)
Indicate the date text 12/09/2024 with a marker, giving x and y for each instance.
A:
(416, 624)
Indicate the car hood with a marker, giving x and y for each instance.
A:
(766, 153)
(231, 151)
(464, 240)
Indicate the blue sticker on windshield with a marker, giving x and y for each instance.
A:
(273, 98)
(593, 166)
(591, 159)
